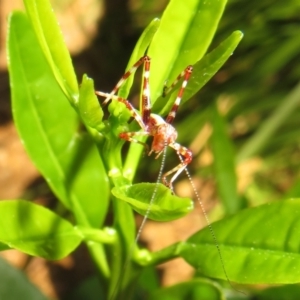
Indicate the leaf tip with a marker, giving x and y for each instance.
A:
(239, 34)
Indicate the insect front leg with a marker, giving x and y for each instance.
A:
(127, 136)
(144, 59)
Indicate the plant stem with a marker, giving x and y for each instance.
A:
(132, 161)
(104, 236)
(161, 256)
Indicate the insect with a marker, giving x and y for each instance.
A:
(162, 131)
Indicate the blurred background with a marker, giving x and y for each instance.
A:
(257, 92)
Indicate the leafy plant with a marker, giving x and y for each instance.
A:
(85, 170)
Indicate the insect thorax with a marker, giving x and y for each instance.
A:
(163, 133)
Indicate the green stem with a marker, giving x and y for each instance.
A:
(104, 236)
(159, 257)
(124, 225)
(133, 159)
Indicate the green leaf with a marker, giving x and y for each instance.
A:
(48, 127)
(287, 292)
(138, 51)
(164, 207)
(15, 286)
(186, 31)
(88, 106)
(53, 46)
(85, 181)
(258, 245)
(36, 230)
(294, 190)
(224, 163)
(203, 71)
(4, 247)
(194, 289)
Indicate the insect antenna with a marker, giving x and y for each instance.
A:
(141, 227)
(210, 227)
(158, 181)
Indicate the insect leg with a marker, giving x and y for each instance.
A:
(187, 158)
(123, 79)
(186, 74)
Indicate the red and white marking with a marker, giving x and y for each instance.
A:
(162, 131)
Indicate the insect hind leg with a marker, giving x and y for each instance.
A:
(187, 158)
(185, 74)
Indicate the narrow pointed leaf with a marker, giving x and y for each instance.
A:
(203, 71)
(186, 31)
(138, 51)
(88, 105)
(36, 230)
(48, 127)
(51, 41)
(165, 205)
(224, 163)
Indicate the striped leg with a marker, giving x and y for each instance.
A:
(146, 105)
(128, 105)
(187, 158)
(127, 136)
(185, 74)
(144, 59)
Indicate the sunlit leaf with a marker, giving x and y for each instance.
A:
(258, 245)
(88, 104)
(53, 46)
(48, 127)
(164, 206)
(203, 71)
(186, 31)
(35, 230)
